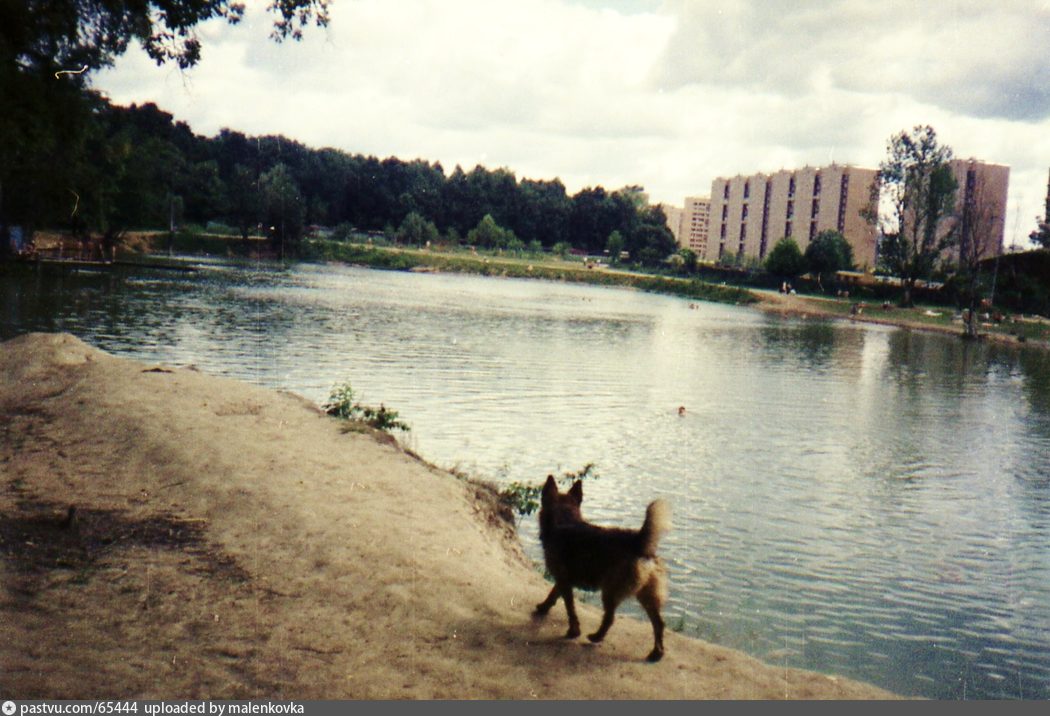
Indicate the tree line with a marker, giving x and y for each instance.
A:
(105, 169)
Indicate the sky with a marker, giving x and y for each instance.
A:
(666, 94)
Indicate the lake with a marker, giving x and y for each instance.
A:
(849, 498)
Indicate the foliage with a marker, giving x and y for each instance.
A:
(341, 405)
(911, 200)
(1041, 235)
(44, 35)
(490, 235)
(284, 208)
(524, 498)
(72, 161)
(827, 253)
(786, 259)
(978, 238)
(127, 165)
(614, 245)
(686, 260)
(417, 230)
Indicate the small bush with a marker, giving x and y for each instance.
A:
(524, 498)
(341, 405)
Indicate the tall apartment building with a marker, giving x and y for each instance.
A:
(984, 186)
(690, 224)
(749, 214)
(674, 221)
(696, 223)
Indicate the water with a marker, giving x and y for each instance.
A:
(853, 499)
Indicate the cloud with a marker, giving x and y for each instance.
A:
(970, 56)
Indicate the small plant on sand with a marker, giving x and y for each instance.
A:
(341, 405)
(524, 498)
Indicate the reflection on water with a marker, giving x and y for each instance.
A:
(854, 499)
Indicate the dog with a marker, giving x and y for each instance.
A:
(619, 562)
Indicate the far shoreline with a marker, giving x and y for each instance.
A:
(1034, 332)
(1017, 331)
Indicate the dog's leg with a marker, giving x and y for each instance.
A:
(545, 606)
(609, 602)
(570, 608)
(649, 598)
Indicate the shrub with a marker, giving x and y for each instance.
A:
(786, 259)
(524, 498)
(341, 405)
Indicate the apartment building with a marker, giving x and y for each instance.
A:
(696, 218)
(982, 188)
(749, 214)
(674, 221)
(690, 224)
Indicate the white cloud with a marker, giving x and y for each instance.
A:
(616, 93)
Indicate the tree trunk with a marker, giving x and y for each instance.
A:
(906, 299)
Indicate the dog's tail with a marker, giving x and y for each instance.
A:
(657, 521)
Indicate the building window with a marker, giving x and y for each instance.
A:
(787, 228)
(843, 194)
(743, 212)
(816, 185)
(812, 230)
(725, 191)
(743, 232)
(816, 208)
(764, 237)
(725, 211)
(747, 189)
(791, 187)
(723, 232)
(791, 209)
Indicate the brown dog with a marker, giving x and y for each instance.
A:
(619, 562)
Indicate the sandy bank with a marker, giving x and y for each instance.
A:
(232, 542)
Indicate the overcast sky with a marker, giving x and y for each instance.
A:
(668, 94)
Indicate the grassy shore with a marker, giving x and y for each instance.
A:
(1015, 329)
(546, 267)
(1033, 331)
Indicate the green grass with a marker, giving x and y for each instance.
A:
(541, 267)
(941, 318)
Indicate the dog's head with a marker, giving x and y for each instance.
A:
(560, 508)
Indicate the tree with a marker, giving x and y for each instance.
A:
(913, 194)
(978, 234)
(242, 203)
(614, 245)
(785, 259)
(48, 49)
(417, 230)
(47, 35)
(648, 237)
(1041, 235)
(686, 260)
(828, 253)
(489, 235)
(284, 208)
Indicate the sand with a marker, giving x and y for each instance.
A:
(233, 542)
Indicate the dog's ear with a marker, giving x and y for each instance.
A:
(576, 492)
(550, 490)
